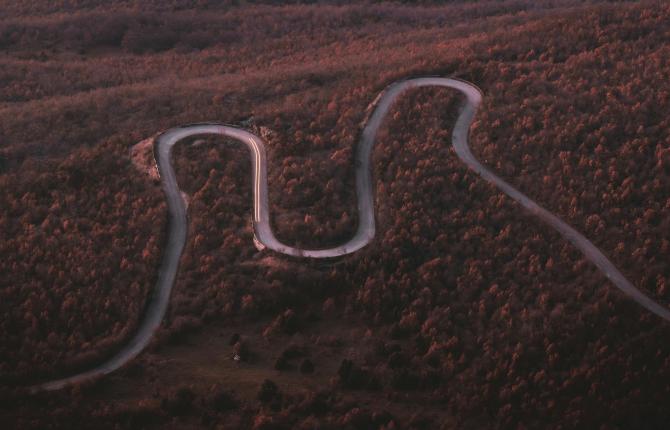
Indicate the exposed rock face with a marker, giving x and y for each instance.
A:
(143, 158)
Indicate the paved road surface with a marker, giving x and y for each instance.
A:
(265, 238)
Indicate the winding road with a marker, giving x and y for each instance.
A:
(265, 238)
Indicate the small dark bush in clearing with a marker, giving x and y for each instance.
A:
(306, 366)
(268, 391)
(181, 403)
(281, 363)
(222, 400)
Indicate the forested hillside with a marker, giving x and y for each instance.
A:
(464, 312)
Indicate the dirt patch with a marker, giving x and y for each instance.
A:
(142, 156)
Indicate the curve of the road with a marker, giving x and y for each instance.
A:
(265, 238)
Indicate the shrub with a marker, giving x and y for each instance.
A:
(307, 366)
(268, 391)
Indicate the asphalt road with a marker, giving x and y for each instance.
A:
(265, 238)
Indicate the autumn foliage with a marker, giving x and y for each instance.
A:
(464, 312)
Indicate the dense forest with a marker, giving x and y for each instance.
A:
(83, 237)
(464, 312)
